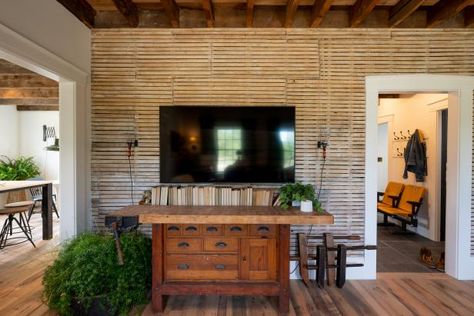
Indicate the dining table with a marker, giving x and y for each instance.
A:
(47, 201)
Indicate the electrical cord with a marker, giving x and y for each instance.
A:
(319, 194)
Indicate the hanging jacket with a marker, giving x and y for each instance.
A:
(415, 157)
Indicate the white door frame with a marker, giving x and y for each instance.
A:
(74, 101)
(459, 262)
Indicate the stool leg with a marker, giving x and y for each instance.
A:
(55, 209)
(4, 234)
(321, 270)
(24, 229)
(341, 265)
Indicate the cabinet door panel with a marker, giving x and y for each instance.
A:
(258, 259)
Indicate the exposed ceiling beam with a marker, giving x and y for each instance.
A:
(37, 107)
(250, 5)
(81, 9)
(446, 9)
(35, 93)
(360, 10)
(469, 17)
(51, 101)
(129, 10)
(403, 10)
(25, 81)
(172, 11)
(320, 8)
(291, 8)
(208, 12)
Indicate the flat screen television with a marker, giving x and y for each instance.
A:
(204, 144)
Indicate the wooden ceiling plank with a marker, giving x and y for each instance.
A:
(129, 10)
(208, 12)
(403, 10)
(445, 10)
(469, 16)
(250, 6)
(320, 8)
(291, 9)
(20, 101)
(25, 81)
(35, 93)
(360, 10)
(172, 11)
(37, 107)
(81, 10)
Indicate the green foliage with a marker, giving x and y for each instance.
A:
(21, 168)
(86, 270)
(298, 192)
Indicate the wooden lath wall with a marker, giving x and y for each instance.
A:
(319, 71)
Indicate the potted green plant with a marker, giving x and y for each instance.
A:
(298, 192)
(86, 278)
(21, 168)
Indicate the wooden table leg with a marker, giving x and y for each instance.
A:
(46, 211)
(157, 299)
(284, 268)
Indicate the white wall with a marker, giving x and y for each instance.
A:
(416, 112)
(44, 37)
(9, 130)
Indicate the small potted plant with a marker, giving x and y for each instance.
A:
(22, 168)
(302, 194)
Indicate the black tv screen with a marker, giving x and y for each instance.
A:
(201, 144)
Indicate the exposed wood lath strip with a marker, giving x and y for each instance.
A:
(319, 71)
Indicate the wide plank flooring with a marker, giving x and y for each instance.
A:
(21, 271)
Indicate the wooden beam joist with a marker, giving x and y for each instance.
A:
(320, 8)
(34, 93)
(19, 101)
(403, 10)
(250, 5)
(172, 11)
(360, 11)
(291, 8)
(81, 9)
(445, 10)
(37, 107)
(129, 10)
(469, 16)
(208, 12)
(26, 81)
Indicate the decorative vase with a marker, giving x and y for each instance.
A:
(295, 203)
(306, 206)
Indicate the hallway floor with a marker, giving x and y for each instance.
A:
(400, 253)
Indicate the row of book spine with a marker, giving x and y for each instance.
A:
(213, 196)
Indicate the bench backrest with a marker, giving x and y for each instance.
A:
(392, 189)
(412, 193)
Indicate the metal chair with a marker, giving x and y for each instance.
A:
(37, 196)
(20, 209)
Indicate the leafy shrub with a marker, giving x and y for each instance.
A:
(21, 168)
(86, 272)
(298, 192)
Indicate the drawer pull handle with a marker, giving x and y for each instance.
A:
(220, 267)
(191, 228)
(173, 228)
(221, 244)
(212, 229)
(263, 229)
(183, 266)
(183, 245)
(236, 229)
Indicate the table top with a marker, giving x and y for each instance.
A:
(156, 214)
(7, 186)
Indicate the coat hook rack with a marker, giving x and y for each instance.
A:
(402, 136)
(399, 153)
(395, 137)
(409, 134)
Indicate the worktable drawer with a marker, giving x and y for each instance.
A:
(236, 230)
(221, 244)
(173, 229)
(263, 230)
(213, 230)
(201, 267)
(183, 245)
(190, 230)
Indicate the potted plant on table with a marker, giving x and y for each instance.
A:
(22, 168)
(86, 278)
(302, 194)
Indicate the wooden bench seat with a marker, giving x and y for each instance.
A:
(403, 207)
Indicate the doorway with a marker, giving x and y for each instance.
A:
(442, 179)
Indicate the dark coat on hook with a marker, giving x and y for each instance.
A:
(415, 157)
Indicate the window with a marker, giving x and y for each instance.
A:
(287, 139)
(229, 143)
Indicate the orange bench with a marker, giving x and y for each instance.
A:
(401, 202)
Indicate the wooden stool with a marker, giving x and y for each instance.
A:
(20, 208)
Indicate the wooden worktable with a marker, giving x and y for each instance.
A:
(221, 250)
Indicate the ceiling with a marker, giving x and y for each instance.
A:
(26, 89)
(273, 13)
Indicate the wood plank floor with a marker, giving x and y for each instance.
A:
(21, 270)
